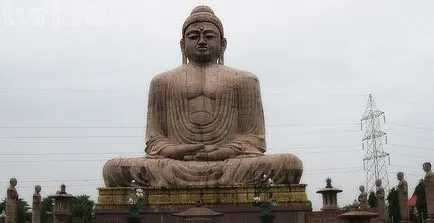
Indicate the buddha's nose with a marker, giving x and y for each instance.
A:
(201, 41)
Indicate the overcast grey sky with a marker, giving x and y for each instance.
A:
(74, 70)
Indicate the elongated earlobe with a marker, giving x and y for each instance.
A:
(184, 57)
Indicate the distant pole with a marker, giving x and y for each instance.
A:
(374, 161)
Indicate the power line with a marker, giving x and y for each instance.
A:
(411, 147)
(141, 127)
(63, 154)
(412, 126)
(74, 89)
(141, 136)
(55, 181)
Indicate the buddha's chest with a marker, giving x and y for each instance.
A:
(202, 83)
(204, 90)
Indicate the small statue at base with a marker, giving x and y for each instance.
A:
(363, 198)
(380, 200)
(205, 123)
(429, 189)
(36, 205)
(12, 202)
(403, 196)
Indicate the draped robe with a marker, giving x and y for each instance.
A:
(225, 111)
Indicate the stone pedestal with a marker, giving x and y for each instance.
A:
(236, 203)
(329, 197)
(381, 210)
(357, 216)
(62, 206)
(198, 214)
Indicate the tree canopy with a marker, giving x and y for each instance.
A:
(393, 205)
(372, 200)
(83, 208)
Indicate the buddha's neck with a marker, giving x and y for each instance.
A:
(202, 64)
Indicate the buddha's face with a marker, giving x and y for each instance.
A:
(202, 42)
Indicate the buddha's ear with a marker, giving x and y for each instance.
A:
(184, 57)
(221, 59)
(224, 44)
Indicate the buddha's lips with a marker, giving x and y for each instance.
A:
(202, 48)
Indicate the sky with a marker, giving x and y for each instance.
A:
(74, 78)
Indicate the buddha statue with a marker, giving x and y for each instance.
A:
(205, 122)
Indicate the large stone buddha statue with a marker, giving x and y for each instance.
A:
(205, 123)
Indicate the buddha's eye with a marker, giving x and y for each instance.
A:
(210, 37)
(193, 36)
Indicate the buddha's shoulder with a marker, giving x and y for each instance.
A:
(239, 74)
(162, 77)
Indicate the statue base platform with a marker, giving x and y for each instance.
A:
(235, 202)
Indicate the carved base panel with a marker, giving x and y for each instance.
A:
(236, 203)
(117, 197)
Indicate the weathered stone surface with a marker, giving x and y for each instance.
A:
(403, 197)
(205, 123)
(329, 196)
(242, 196)
(363, 198)
(381, 211)
(12, 202)
(62, 205)
(429, 189)
(36, 205)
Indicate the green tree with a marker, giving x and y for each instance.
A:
(421, 200)
(372, 200)
(83, 208)
(24, 215)
(2, 208)
(393, 205)
(47, 210)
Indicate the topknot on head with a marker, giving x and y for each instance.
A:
(202, 9)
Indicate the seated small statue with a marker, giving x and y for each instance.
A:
(205, 123)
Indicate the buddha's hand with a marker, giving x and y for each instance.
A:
(215, 154)
(178, 152)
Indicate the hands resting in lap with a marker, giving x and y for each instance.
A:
(198, 152)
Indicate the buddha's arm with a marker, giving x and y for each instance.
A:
(250, 140)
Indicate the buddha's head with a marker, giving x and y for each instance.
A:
(400, 175)
(362, 188)
(203, 39)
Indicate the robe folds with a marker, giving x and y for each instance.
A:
(230, 116)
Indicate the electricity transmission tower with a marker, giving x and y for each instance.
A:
(374, 161)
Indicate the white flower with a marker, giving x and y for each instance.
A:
(264, 176)
(270, 181)
(133, 181)
(130, 200)
(257, 199)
